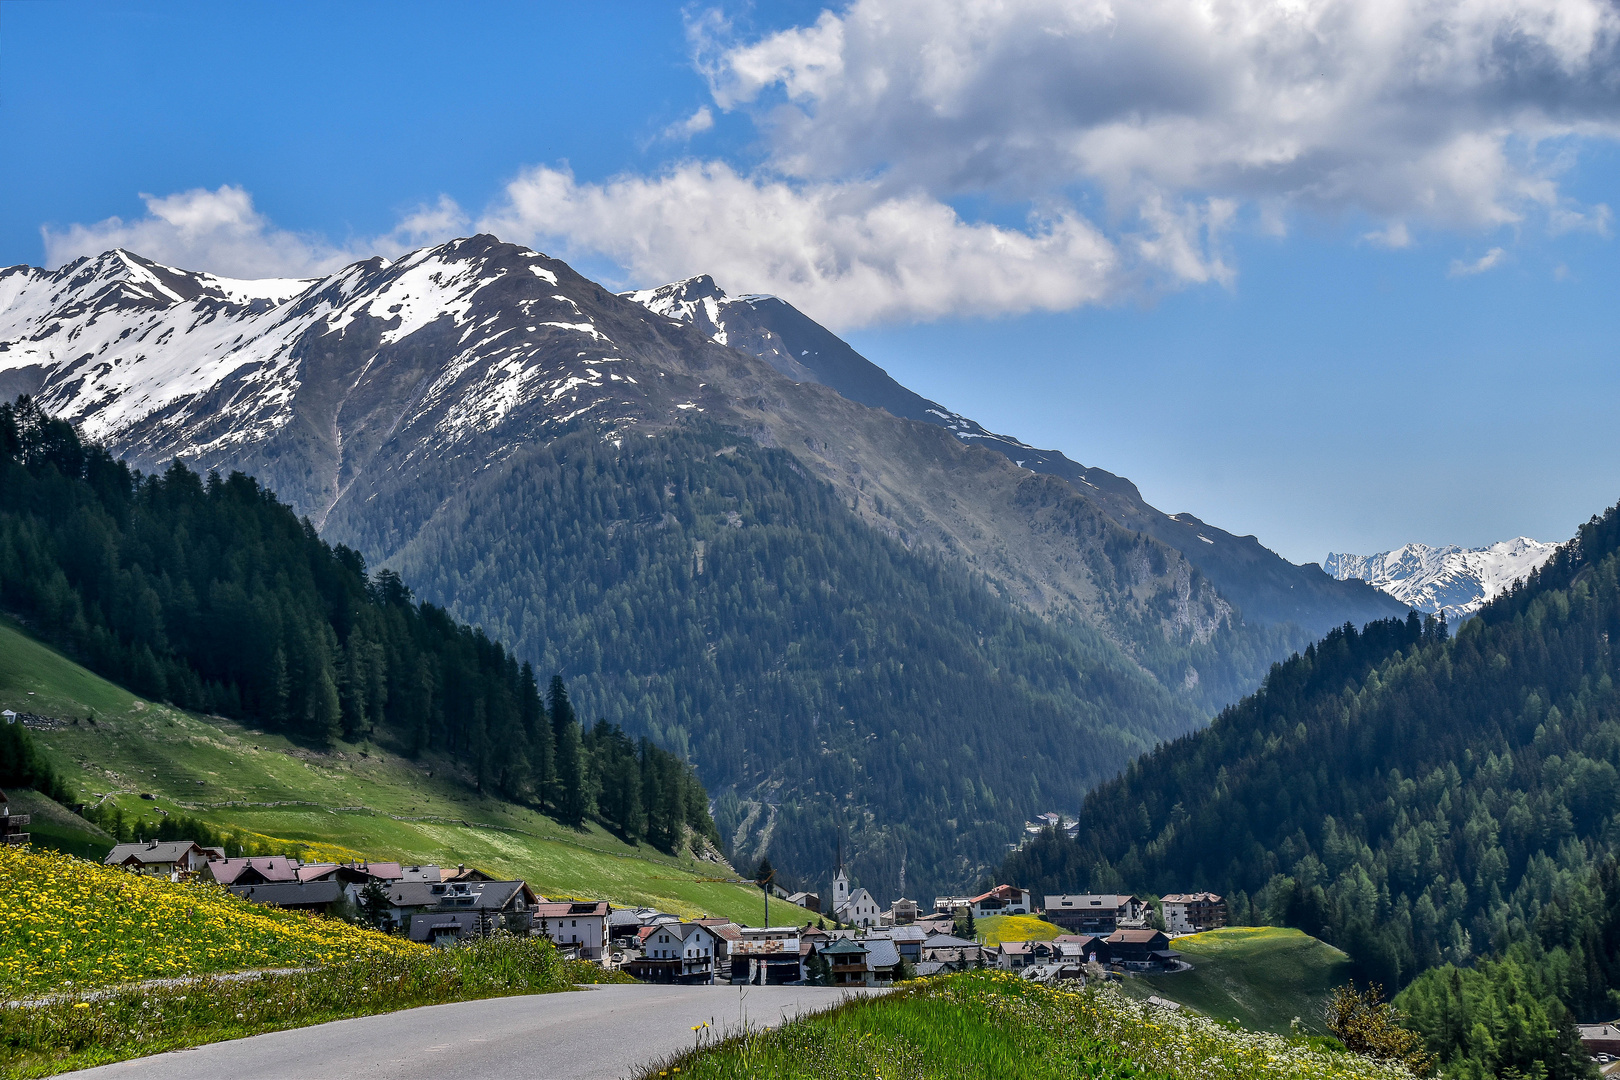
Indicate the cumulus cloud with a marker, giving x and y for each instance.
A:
(847, 253)
(1439, 111)
(696, 124)
(1487, 261)
(220, 231)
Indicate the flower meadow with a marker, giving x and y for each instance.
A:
(68, 925)
(69, 1031)
(982, 1024)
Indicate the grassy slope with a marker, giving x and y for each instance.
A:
(999, 928)
(56, 827)
(356, 797)
(1262, 977)
(995, 1024)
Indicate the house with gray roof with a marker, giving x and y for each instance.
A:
(162, 858)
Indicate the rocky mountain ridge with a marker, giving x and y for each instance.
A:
(1448, 580)
(1264, 586)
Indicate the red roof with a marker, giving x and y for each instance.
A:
(1000, 892)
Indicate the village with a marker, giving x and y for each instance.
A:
(854, 942)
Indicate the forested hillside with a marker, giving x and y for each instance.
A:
(1417, 801)
(707, 590)
(211, 595)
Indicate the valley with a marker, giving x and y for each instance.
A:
(477, 415)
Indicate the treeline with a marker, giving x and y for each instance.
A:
(826, 680)
(1418, 801)
(23, 766)
(212, 595)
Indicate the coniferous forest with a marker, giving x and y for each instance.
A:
(210, 594)
(825, 680)
(1447, 810)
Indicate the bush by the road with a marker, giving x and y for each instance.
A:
(77, 1031)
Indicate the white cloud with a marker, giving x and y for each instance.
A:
(847, 253)
(220, 232)
(696, 124)
(1393, 236)
(1487, 261)
(1438, 111)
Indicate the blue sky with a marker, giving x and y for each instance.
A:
(1354, 308)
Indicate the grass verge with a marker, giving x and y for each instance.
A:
(994, 1024)
(1261, 977)
(77, 1032)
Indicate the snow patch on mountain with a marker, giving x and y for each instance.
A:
(1451, 580)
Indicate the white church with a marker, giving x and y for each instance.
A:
(857, 910)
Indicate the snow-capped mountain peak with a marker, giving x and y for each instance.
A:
(1453, 580)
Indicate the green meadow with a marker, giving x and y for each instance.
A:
(357, 799)
(1261, 977)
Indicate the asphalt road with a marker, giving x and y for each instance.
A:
(598, 1033)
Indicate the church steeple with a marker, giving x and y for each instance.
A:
(840, 880)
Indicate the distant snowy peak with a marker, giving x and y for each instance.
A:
(1456, 581)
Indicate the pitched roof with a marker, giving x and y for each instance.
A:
(162, 851)
(270, 867)
(1192, 898)
(1000, 892)
(1134, 937)
(882, 953)
(561, 909)
(844, 946)
(1085, 900)
(291, 893)
(407, 894)
(948, 941)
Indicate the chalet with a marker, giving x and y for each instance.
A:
(766, 956)
(1141, 950)
(1082, 948)
(1097, 913)
(949, 949)
(11, 825)
(578, 925)
(675, 953)
(883, 961)
(500, 905)
(908, 940)
(1192, 913)
(902, 912)
(1002, 900)
(162, 858)
(807, 900)
(846, 958)
(1018, 955)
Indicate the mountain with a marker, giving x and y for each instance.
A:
(1418, 800)
(1265, 587)
(852, 621)
(1452, 581)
